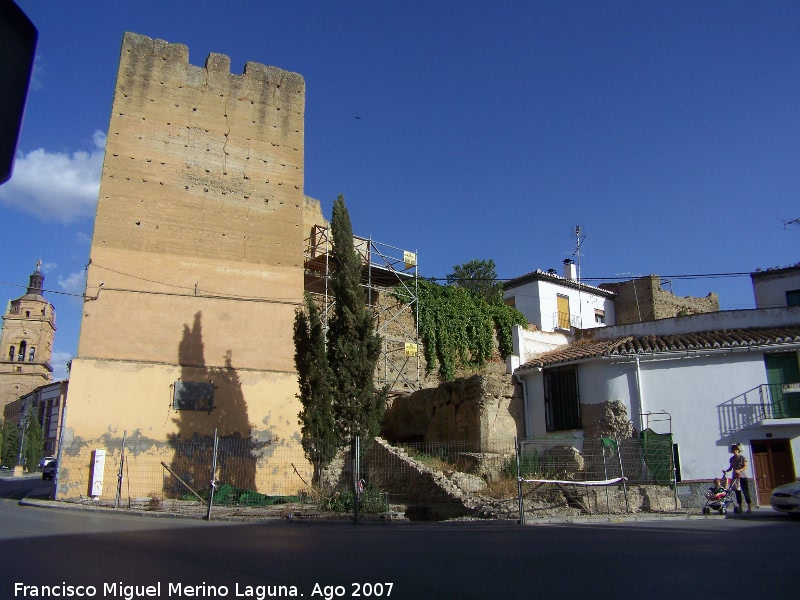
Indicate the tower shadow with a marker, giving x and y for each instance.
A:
(208, 399)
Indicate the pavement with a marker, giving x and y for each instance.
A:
(239, 514)
(39, 497)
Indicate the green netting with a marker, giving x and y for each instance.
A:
(657, 450)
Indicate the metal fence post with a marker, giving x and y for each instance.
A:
(356, 476)
(213, 484)
(622, 474)
(520, 500)
(605, 473)
(119, 474)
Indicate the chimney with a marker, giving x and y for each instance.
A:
(570, 272)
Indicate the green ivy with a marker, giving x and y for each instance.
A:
(458, 327)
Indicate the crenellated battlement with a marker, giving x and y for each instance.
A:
(201, 162)
(142, 54)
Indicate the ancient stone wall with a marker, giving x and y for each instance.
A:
(607, 419)
(201, 197)
(484, 410)
(644, 299)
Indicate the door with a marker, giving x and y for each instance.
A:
(772, 466)
(783, 368)
(563, 311)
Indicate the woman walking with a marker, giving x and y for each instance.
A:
(738, 466)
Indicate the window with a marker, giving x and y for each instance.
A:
(23, 346)
(32, 354)
(191, 395)
(561, 399)
(793, 298)
(511, 301)
(599, 316)
(11, 353)
(562, 319)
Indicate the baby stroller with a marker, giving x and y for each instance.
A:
(718, 498)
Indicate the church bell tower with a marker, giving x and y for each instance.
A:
(26, 342)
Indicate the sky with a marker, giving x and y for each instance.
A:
(668, 131)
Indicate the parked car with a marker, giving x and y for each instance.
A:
(45, 460)
(786, 498)
(49, 471)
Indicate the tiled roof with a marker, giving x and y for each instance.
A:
(558, 280)
(654, 344)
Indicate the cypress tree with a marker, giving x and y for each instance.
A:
(353, 346)
(11, 440)
(317, 427)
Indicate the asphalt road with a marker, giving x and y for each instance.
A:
(642, 560)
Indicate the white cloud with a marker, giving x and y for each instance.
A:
(74, 283)
(56, 186)
(58, 360)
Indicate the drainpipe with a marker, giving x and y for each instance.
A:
(524, 403)
(639, 400)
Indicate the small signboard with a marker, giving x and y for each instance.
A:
(98, 465)
(409, 258)
(788, 388)
(411, 349)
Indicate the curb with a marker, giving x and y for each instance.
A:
(761, 515)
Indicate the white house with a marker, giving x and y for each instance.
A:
(712, 379)
(777, 287)
(554, 303)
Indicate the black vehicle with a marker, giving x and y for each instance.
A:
(49, 471)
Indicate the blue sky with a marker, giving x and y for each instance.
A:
(669, 131)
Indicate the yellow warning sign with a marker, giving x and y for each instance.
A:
(410, 259)
(411, 349)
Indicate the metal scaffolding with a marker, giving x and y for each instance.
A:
(383, 268)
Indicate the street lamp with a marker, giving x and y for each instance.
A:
(24, 425)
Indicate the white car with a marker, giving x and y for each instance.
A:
(786, 498)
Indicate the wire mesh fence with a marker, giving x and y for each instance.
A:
(590, 476)
(417, 481)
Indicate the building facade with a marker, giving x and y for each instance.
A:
(776, 287)
(46, 404)
(554, 303)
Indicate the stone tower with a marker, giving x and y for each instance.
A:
(26, 343)
(196, 264)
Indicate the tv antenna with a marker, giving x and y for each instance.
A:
(577, 254)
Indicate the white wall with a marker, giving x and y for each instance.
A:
(527, 344)
(770, 288)
(537, 300)
(689, 389)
